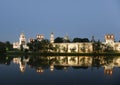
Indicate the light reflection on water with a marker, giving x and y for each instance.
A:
(57, 70)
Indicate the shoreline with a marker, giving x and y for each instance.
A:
(62, 54)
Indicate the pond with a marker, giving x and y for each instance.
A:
(59, 70)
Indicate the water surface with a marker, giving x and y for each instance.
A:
(59, 70)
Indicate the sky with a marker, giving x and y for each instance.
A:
(76, 18)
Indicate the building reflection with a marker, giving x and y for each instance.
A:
(108, 69)
(111, 64)
(42, 63)
(21, 61)
(52, 67)
(84, 62)
(40, 70)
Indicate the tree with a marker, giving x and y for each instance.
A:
(58, 40)
(76, 40)
(57, 48)
(85, 40)
(45, 45)
(42, 46)
(30, 45)
(8, 45)
(97, 46)
(2, 47)
(80, 40)
(21, 47)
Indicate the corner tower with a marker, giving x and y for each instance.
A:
(109, 38)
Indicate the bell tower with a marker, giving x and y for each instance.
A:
(22, 39)
(52, 38)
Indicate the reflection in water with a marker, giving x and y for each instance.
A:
(22, 62)
(41, 63)
(59, 70)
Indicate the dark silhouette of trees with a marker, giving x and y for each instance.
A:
(76, 40)
(85, 40)
(5, 59)
(2, 47)
(42, 46)
(5, 46)
(97, 46)
(80, 40)
(58, 40)
(8, 46)
(38, 62)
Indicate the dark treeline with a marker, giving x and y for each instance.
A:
(80, 40)
(41, 46)
(5, 46)
(62, 40)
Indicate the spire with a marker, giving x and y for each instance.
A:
(93, 40)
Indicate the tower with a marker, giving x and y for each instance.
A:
(52, 38)
(109, 39)
(93, 39)
(22, 39)
(40, 37)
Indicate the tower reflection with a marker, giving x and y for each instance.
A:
(21, 61)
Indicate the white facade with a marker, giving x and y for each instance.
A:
(110, 42)
(40, 37)
(87, 47)
(74, 47)
(22, 41)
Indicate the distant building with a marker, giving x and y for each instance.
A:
(40, 37)
(93, 39)
(110, 43)
(109, 39)
(66, 46)
(52, 38)
(74, 47)
(22, 42)
(31, 40)
(87, 47)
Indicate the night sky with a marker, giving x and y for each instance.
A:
(76, 18)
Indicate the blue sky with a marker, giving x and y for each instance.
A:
(77, 18)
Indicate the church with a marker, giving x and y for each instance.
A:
(22, 42)
(70, 47)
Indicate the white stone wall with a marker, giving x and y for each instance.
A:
(16, 45)
(117, 46)
(74, 47)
